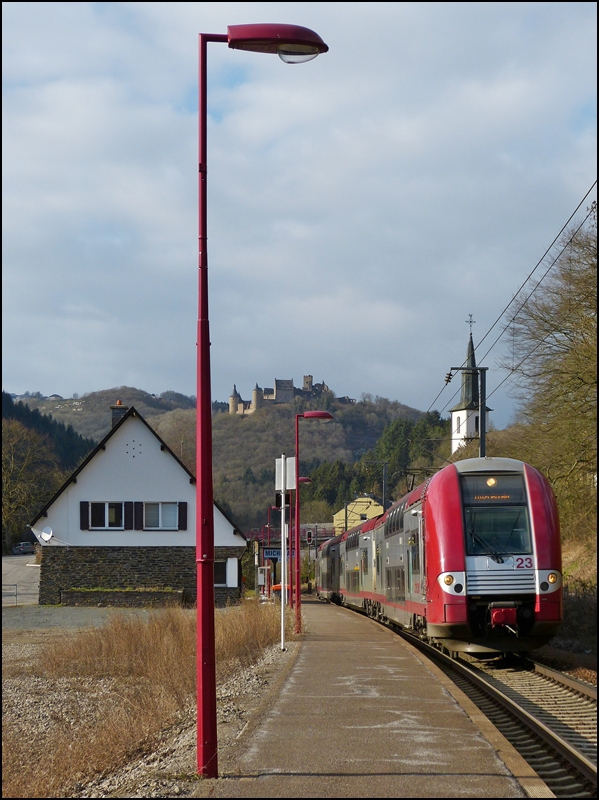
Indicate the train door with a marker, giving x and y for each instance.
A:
(333, 577)
(413, 548)
(364, 572)
(422, 547)
(376, 565)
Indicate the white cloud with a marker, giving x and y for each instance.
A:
(360, 205)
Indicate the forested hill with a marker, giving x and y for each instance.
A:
(244, 448)
(68, 445)
(90, 414)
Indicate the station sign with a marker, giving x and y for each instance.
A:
(274, 552)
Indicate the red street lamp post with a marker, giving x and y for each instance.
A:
(298, 480)
(268, 573)
(295, 554)
(293, 44)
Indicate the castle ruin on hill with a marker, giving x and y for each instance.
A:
(283, 391)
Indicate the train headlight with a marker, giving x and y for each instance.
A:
(552, 577)
(448, 580)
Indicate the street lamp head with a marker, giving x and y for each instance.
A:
(304, 480)
(292, 43)
(316, 415)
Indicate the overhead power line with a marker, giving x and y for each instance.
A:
(524, 283)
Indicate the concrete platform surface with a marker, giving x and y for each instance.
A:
(360, 714)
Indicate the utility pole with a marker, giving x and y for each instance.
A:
(482, 413)
(385, 464)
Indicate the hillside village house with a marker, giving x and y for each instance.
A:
(362, 508)
(124, 522)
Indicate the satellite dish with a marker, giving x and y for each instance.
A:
(46, 533)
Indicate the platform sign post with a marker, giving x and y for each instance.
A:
(256, 567)
(284, 478)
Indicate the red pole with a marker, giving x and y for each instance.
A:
(298, 601)
(243, 37)
(206, 658)
(291, 598)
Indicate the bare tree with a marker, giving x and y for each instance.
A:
(555, 367)
(30, 475)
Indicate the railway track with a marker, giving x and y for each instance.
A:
(548, 717)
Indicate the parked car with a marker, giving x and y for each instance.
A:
(23, 548)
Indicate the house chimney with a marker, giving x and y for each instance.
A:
(118, 412)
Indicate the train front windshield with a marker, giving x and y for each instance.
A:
(495, 514)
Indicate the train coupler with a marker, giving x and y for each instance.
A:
(504, 615)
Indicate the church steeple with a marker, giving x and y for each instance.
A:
(469, 398)
(465, 414)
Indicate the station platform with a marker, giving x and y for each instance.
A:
(361, 713)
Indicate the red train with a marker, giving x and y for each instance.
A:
(470, 560)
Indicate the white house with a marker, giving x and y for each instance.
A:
(125, 519)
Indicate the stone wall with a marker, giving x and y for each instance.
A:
(159, 568)
(121, 598)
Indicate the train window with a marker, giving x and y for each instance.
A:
(498, 488)
(497, 531)
(364, 561)
(390, 524)
(495, 514)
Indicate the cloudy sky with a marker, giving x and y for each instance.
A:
(361, 206)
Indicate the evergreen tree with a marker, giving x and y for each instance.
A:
(70, 448)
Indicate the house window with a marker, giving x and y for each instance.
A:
(161, 516)
(106, 515)
(220, 573)
(133, 515)
(458, 425)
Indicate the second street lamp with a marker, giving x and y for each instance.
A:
(298, 592)
(293, 44)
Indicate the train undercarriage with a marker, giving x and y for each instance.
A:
(494, 626)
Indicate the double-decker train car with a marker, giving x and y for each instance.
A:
(469, 560)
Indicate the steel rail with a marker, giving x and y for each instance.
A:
(570, 754)
(585, 689)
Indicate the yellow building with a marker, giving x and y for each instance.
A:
(359, 510)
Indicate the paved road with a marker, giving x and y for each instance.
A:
(20, 580)
(34, 618)
(362, 714)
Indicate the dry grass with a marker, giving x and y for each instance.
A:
(579, 631)
(140, 675)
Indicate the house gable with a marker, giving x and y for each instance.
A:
(134, 473)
